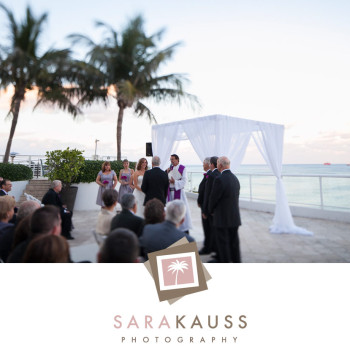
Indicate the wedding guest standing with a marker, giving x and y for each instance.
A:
(137, 181)
(155, 182)
(212, 174)
(125, 177)
(106, 179)
(200, 201)
(224, 206)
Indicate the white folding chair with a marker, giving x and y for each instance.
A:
(99, 238)
(29, 197)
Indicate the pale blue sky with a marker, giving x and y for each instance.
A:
(277, 61)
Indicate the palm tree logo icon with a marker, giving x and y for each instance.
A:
(177, 266)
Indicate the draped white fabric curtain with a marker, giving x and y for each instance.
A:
(269, 140)
(219, 135)
(223, 135)
(163, 141)
(199, 133)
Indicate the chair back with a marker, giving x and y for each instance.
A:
(99, 238)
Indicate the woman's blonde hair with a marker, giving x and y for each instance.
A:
(7, 203)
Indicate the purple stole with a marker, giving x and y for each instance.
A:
(177, 193)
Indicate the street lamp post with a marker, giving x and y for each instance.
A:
(13, 155)
(96, 147)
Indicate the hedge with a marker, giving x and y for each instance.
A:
(15, 172)
(90, 169)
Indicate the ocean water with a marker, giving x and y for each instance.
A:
(310, 185)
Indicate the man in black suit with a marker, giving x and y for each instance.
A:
(127, 218)
(155, 182)
(5, 187)
(214, 172)
(224, 206)
(52, 197)
(200, 201)
(161, 236)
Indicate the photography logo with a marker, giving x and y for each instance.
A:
(177, 271)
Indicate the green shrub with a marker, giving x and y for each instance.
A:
(15, 172)
(64, 165)
(91, 168)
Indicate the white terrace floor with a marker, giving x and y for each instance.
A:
(329, 244)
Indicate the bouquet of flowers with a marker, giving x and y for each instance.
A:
(105, 182)
(124, 178)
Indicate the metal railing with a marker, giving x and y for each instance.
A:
(325, 192)
(37, 162)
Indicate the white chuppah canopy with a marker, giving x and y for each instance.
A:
(228, 136)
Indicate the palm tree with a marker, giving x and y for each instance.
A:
(130, 62)
(178, 266)
(22, 68)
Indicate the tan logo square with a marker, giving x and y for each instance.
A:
(177, 271)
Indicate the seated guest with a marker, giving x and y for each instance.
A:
(105, 216)
(21, 232)
(7, 241)
(52, 197)
(25, 209)
(7, 209)
(154, 212)
(47, 249)
(127, 218)
(162, 235)
(44, 221)
(5, 188)
(120, 246)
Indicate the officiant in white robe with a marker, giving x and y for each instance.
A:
(177, 174)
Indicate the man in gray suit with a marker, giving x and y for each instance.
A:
(161, 236)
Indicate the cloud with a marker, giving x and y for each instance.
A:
(335, 135)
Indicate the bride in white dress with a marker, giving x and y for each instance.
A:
(137, 179)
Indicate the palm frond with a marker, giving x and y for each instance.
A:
(59, 98)
(80, 39)
(141, 110)
(13, 24)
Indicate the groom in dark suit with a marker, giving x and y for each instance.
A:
(200, 201)
(155, 182)
(224, 206)
(214, 172)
